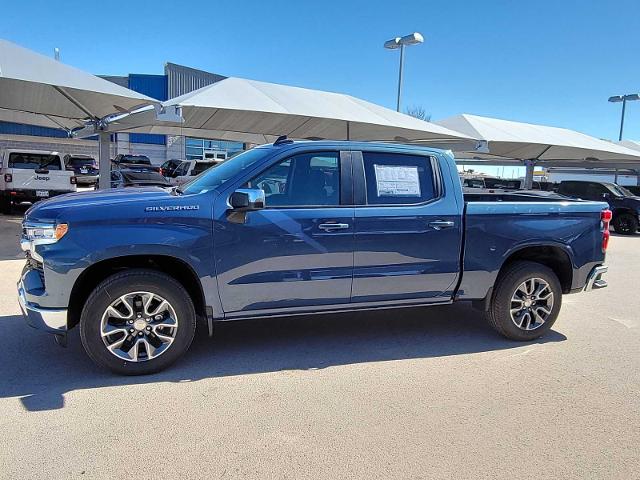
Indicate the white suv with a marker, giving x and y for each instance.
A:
(32, 175)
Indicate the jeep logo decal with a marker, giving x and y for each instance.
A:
(46, 179)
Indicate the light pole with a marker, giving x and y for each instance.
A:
(400, 42)
(624, 99)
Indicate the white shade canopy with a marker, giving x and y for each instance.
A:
(259, 112)
(39, 90)
(509, 140)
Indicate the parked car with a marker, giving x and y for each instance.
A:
(31, 175)
(134, 161)
(297, 228)
(168, 167)
(624, 204)
(189, 169)
(84, 167)
(130, 177)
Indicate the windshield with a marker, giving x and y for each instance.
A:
(34, 161)
(214, 177)
(619, 191)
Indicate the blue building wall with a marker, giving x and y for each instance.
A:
(154, 86)
(9, 128)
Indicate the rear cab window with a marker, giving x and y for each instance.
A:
(139, 159)
(398, 179)
(34, 161)
(81, 162)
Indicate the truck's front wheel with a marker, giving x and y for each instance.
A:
(526, 301)
(137, 322)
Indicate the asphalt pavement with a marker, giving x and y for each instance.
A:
(406, 394)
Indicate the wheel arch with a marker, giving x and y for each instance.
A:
(554, 257)
(620, 210)
(99, 271)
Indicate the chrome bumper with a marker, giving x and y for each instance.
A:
(594, 280)
(47, 319)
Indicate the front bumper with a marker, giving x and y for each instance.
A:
(86, 179)
(30, 195)
(595, 280)
(48, 319)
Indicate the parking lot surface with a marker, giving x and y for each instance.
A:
(422, 393)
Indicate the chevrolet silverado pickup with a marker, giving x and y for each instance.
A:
(298, 228)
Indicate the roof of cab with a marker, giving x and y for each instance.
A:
(350, 145)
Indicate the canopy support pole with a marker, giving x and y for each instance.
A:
(528, 178)
(104, 181)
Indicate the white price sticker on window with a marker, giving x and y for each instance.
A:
(397, 181)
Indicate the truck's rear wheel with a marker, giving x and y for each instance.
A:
(625, 224)
(526, 301)
(137, 322)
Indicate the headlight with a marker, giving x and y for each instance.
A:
(42, 233)
(34, 234)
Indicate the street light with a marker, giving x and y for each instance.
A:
(401, 42)
(624, 99)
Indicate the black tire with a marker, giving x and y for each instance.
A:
(499, 314)
(625, 224)
(124, 283)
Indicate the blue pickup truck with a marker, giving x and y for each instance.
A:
(297, 228)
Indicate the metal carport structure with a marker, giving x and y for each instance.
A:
(39, 90)
(506, 142)
(258, 112)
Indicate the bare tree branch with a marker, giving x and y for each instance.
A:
(419, 112)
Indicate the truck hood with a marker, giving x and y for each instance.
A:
(121, 200)
(626, 202)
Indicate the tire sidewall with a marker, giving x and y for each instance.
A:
(507, 286)
(633, 224)
(121, 284)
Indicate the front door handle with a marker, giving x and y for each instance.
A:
(328, 227)
(440, 224)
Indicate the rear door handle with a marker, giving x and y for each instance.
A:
(440, 224)
(328, 227)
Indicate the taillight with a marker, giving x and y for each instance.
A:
(8, 177)
(73, 180)
(605, 219)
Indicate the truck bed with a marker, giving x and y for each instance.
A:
(498, 224)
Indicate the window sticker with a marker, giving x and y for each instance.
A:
(397, 181)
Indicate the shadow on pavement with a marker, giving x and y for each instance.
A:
(10, 230)
(40, 372)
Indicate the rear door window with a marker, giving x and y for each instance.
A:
(398, 179)
(34, 161)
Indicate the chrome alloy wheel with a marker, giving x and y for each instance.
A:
(139, 326)
(531, 304)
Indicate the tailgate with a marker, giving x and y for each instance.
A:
(52, 180)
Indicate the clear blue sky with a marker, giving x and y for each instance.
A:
(541, 61)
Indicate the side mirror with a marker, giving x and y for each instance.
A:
(606, 196)
(247, 199)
